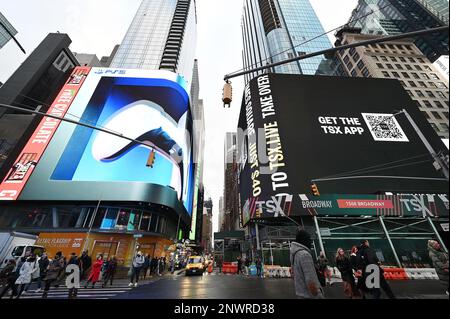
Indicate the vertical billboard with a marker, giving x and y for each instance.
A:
(18, 175)
(81, 163)
(342, 135)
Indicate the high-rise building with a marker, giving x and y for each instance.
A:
(5, 26)
(231, 192)
(276, 30)
(221, 214)
(401, 60)
(87, 59)
(437, 7)
(207, 230)
(105, 61)
(33, 85)
(162, 35)
(391, 17)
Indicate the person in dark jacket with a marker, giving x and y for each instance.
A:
(43, 266)
(369, 257)
(358, 266)
(153, 265)
(110, 271)
(74, 260)
(11, 276)
(322, 263)
(55, 268)
(86, 263)
(239, 265)
(304, 273)
(440, 262)
(145, 266)
(344, 265)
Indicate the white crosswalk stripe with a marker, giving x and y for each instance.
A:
(83, 293)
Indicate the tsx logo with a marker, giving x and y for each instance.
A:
(110, 71)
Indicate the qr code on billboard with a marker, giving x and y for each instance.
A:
(384, 127)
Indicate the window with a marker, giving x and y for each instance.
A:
(415, 75)
(441, 85)
(380, 65)
(420, 60)
(421, 84)
(365, 72)
(389, 66)
(426, 67)
(427, 103)
(411, 60)
(412, 83)
(145, 221)
(434, 76)
(439, 104)
(393, 59)
(399, 67)
(418, 67)
(354, 73)
(122, 219)
(402, 59)
(402, 83)
(395, 74)
(290, 55)
(445, 114)
(409, 93)
(101, 213)
(420, 93)
(346, 59)
(424, 76)
(440, 94)
(352, 51)
(109, 221)
(375, 58)
(406, 75)
(356, 57)
(408, 67)
(361, 65)
(383, 58)
(427, 116)
(430, 94)
(386, 74)
(436, 115)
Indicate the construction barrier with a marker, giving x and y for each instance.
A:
(228, 267)
(395, 274)
(421, 273)
(277, 271)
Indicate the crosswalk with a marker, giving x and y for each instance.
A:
(62, 292)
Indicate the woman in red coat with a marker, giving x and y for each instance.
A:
(95, 272)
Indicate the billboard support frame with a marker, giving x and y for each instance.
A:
(397, 260)
(439, 238)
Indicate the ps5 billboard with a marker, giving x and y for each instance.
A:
(347, 136)
(81, 163)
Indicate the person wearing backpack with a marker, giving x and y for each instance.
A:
(307, 285)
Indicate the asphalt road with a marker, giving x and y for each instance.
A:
(221, 286)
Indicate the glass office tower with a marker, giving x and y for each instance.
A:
(162, 35)
(399, 16)
(276, 30)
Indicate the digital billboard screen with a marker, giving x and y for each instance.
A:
(146, 106)
(340, 133)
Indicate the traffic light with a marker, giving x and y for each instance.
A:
(315, 189)
(151, 158)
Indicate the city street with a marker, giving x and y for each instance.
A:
(228, 286)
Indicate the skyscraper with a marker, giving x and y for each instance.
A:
(162, 35)
(276, 30)
(398, 16)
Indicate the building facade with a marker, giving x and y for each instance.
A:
(391, 17)
(87, 59)
(231, 211)
(207, 229)
(5, 26)
(162, 35)
(34, 85)
(276, 30)
(401, 60)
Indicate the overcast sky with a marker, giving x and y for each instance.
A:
(95, 26)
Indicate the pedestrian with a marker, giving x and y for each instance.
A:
(247, 266)
(94, 276)
(160, 266)
(36, 274)
(55, 267)
(86, 262)
(344, 265)
(369, 257)
(145, 266)
(172, 265)
(136, 267)
(307, 285)
(74, 260)
(110, 271)
(440, 262)
(358, 266)
(11, 276)
(258, 263)
(153, 265)
(239, 265)
(219, 264)
(322, 263)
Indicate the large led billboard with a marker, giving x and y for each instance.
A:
(81, 163)
(342, 135)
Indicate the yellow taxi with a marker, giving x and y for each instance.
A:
(195, 266)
